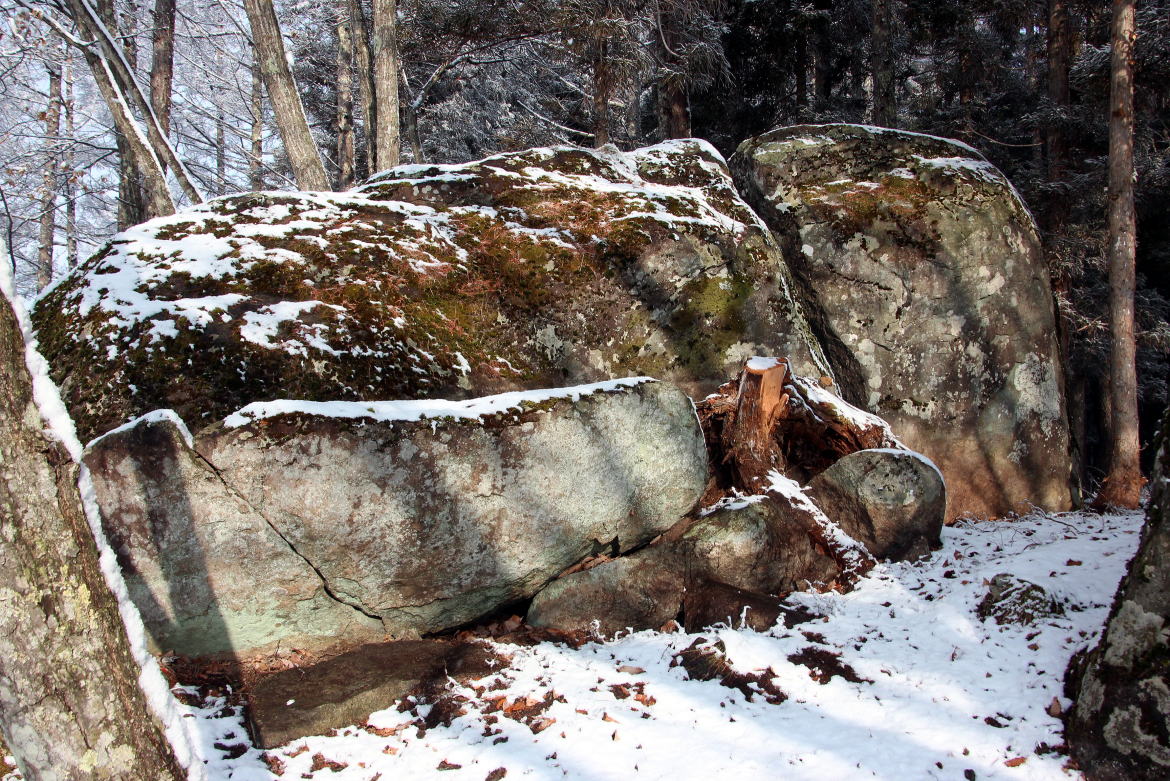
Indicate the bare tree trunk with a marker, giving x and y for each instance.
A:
(286, 102)
(1059, 57)
(70, 703)
(885, 109)
(822, 55)
(48, 233)
(133, 199)
(162, 62)
(674, 102)
(134, 150)
(220, 146)
(385, 44)
(256, 158)
(1122, 486)
(123, 88)
(345, 153)
(601, 88)
(365, 70)
(69, 166)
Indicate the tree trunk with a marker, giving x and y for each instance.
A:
(69, 166)
(601, 87)
(220, 145)
(1122, 486)
(133, 148)
(675, 106)
(162, 62)
(345, 154)
(885, 110)
(256, 158)
(822, 55)
(365, 71)
(125, 81)
(387, 133)
(70, 703)
(302, 152)
(1059, 45)
(48, 232)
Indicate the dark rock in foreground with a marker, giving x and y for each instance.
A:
(1119, 728)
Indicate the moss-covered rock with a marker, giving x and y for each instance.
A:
(922, 275)
(530, 269)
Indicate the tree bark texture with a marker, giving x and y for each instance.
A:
(822, 52)
(885, 109)
(365, 71)
(345, 153)
(675, 105)
(162, 62)
(70, 703)
(1059, 45)
(303, 156)
(256, 104)
(601, 89)
(48, 227)
(387, 130)
(69, 166)
(1122, 486)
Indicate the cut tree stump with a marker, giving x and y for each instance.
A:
(767, 419)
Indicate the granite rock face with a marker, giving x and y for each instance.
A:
(208, 572)
(314, 528)
(1120, 724)
(923, 278)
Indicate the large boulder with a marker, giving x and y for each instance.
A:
(529, 269)
(892, 501)
(1120, 724)
(208, 572)
(291, 522)
(923, 277)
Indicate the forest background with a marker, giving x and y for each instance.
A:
(1026, 82)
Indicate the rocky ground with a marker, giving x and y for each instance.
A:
(900, 678)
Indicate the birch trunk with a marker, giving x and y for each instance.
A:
(70, 703)
(286, 102)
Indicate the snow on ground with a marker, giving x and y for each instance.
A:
(942, 692)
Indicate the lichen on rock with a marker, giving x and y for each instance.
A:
(922, 275)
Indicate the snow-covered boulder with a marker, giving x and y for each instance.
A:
(525, 270)
(925, 282)
(298, 521)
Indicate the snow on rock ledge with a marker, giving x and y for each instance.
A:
(931, 297)
(302, 529)
(524, 270)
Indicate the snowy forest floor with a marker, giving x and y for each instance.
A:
(900, 679)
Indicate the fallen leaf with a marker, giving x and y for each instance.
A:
(1054, 708)
(1016, 762)
(631, 669)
